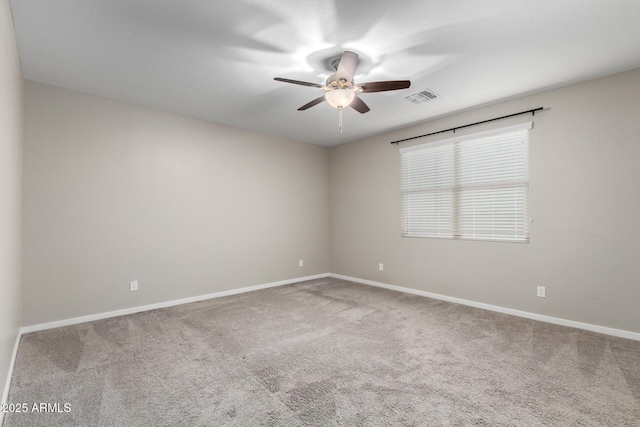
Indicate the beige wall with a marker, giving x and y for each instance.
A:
(585, 204)
(115, 192)
(11, 99)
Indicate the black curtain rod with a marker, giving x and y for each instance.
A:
(533, 113)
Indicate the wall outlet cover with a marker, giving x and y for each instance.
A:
(542, 291)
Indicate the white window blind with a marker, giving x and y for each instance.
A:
(472, 187)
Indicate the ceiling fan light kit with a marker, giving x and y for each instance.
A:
(340, 98)
(341, 90)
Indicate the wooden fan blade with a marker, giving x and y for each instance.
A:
(347, 66)
(298, 82)
(312, 103)
(359, 105)
(384, 86)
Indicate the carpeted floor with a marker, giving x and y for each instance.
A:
(326, 353)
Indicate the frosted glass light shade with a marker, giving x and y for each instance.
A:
(339, 98)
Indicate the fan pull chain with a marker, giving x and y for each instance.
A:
(340, 119)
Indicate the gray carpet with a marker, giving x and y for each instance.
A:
(325, 353)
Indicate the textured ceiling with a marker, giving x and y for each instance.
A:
(216, 59)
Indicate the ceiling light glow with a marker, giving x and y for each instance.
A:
(339, 98)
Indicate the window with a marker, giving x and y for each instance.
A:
(472, 187)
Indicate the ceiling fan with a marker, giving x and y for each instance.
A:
(340, 89)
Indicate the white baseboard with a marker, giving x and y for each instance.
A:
(556, 320)
(106, 315)
(528, 315)
(7, 384)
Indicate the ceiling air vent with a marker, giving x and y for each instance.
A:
(422, 96)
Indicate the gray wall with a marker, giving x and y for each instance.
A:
(585, 204)
(115, 192)
(11, 123)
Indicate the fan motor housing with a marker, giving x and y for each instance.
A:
(334, 83)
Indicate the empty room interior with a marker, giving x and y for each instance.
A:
(281, 213)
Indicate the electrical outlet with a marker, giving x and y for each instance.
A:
(300, 263)
(381, 267)
(542, 292)
(133, 285)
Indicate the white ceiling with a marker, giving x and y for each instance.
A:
(216, 59)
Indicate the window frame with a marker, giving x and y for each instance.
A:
(456, 190)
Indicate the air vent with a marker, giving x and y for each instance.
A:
(422, 96)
